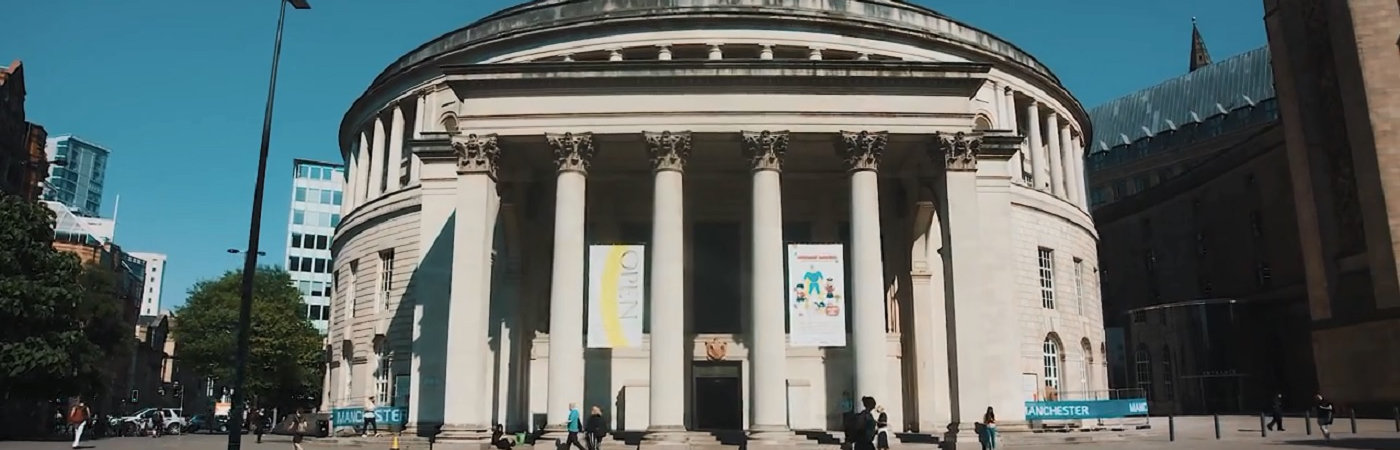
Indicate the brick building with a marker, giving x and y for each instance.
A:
(23, 164)
(1203, 275)
(1336, 68)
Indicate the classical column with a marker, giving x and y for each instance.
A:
(396, 123)
(1040, 176)
(768, 350)
(663, 52)
(1081, 154)
(668, 152)
(1057, 170)
(573, 153)
(862, 151)
(1067, 157)
(348, 199)
(716, 53)
(473, 234)
(1018, 164)
(766, 53)
(615, 54)
(376, 163)
(814, 54)
(362, 171)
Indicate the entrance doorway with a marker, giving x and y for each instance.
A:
(718, 391)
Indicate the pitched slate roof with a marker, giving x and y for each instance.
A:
(1240, 81)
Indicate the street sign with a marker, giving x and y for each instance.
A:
(1086, 409)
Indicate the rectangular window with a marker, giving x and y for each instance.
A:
(386, 279)
(1047, 278)
(382, 375)
(320, 265)
(313, 312)
(301, 194)
(305, 288)
(306, 264)
(326, 197)
(296, 240)
(293, 263)
(323, 242)
(1079, 284)
(335, 220)
(336, 198)
(298, 218)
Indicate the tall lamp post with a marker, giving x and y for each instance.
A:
(250, 262)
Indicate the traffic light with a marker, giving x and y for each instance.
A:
(135, 395)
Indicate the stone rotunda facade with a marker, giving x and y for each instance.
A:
(715, 135)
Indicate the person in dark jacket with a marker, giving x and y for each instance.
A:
(1324, 416)
(499, 439)
(596, 428)
(865, 426)
(1277, 413)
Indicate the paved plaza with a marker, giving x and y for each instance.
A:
(1192, 433)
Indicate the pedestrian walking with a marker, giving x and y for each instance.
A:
(865, 425)
(298, 425)
(882, 429)
(371, 422)
(255, 421)
(157, 423)
(989, 429)
(596, 428)
(1277, 412)
(78, 418)
(574, 426)
(1325, 411)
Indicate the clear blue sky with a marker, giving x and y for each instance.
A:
(176, 89)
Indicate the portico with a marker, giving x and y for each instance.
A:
(716, 152)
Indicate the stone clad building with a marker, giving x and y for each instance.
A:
(946, 161)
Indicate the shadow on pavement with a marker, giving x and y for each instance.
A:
(1359, 443)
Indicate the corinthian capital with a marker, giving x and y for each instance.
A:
(862, 149)
(667, 150)
(476, 153)
(572, 152)
(958, 150)
(766, 149)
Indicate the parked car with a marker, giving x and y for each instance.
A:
(135, 423)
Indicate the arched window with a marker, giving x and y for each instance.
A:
(1143, 370)
(1086, 366)
(1168, 374)
(1051, 354)
(449, 124)
(981, 123)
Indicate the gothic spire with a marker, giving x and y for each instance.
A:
(1200, 57)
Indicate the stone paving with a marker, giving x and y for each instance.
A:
(1192, 433)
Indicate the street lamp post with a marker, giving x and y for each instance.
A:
(250, 264)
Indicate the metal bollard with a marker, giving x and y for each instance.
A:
(1353, 420)
(1307, 420)
(1171, 428)
(1217, 426)
(1262, 432)
(1397, 419)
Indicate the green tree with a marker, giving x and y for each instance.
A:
(47, 346)
(285, 356)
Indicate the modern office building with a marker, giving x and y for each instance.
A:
(715, 215)
(77, 183)
(155, 274)
(316, 200)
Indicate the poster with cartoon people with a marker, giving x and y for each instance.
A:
(817, 295)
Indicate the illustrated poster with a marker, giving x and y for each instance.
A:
(816, 295)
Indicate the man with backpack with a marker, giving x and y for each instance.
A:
(865, 426)
(77, 419)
